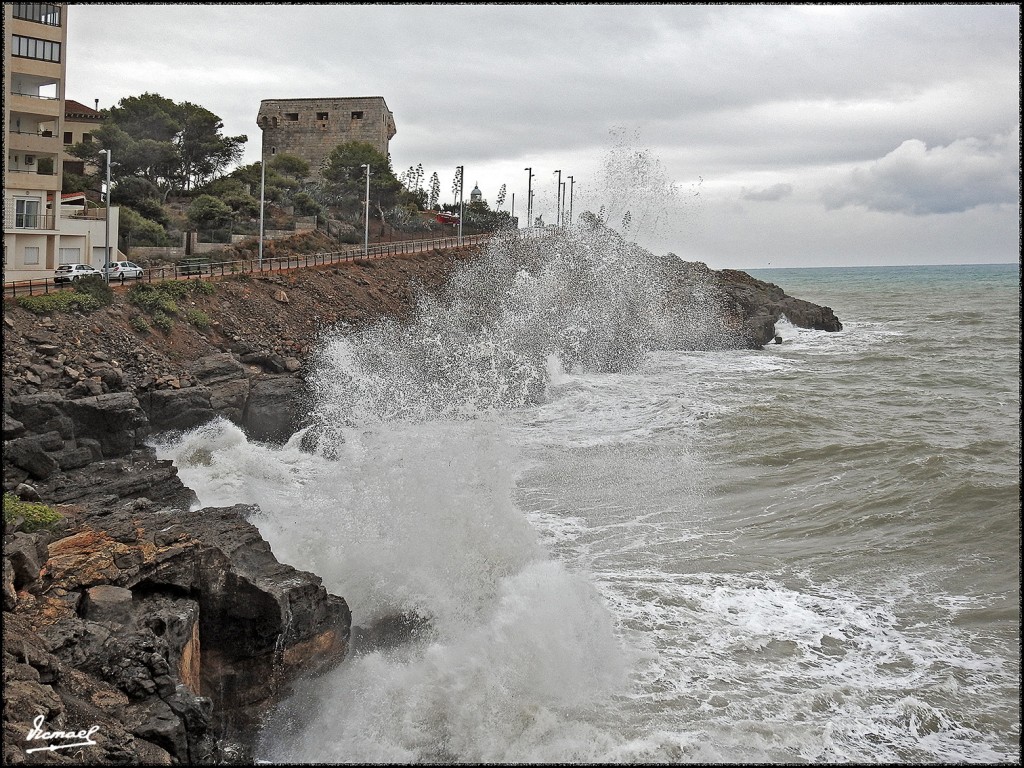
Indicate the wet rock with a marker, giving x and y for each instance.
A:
(274, 409)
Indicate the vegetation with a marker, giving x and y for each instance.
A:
(172, 173)
(86, 295)
(198, 318)
(160, 302)
(36, 516)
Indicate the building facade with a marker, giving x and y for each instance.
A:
(39, 232)
(311, 128)
(80, 122)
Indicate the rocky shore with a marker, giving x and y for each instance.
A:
(174, 630)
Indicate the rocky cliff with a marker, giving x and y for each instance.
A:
(174, 629)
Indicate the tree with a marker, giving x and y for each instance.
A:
(207, 212)
(289, 165)
(435, 191)
(501, 197)
(345, 177)
(457, 183)
(173, 146)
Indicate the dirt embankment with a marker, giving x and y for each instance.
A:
(275, 316)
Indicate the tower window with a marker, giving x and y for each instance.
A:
(321, 115)
(292, 116)
(357, 115)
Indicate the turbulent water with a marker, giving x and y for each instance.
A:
(627, 544)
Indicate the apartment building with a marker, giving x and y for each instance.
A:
(39, 232)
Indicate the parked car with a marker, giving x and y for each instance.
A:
(119, 270)
(67, 273)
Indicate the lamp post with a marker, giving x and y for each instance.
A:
(558, 198)
(106, 242)
(512, 212)
(529, 197)
(571, 183)
(263, 185)
(366, 230)
(462, 177)
(561, 208)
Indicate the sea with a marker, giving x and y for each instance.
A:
(613, 539)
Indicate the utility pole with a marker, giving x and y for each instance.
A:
(366, 231)
(571, 183)
(462, 177)
(558, 199)
(263, 186)
(106, 242)
(529, 197)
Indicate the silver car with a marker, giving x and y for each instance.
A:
(119, 270)
(67, 273)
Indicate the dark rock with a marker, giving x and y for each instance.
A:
(20, 550)
(115, 420)
(177, 409)
(29, 454)
(12, 428)
(274, 410)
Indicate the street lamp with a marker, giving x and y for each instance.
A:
(462, 177)
(571, 183)
(263, 185)
(366, 231)
(529, 197)
(106, 242)
(558, 198)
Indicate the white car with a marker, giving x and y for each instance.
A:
(119, 270)
(67, 273)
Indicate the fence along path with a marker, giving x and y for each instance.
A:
(266, 264)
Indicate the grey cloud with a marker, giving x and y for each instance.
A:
(768, 194)
(917, 180)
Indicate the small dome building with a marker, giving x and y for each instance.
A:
(476, 195)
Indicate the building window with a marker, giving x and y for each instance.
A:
(31, 255)
(357, 115)
(292, 116)
(68, 138)
(34, 48)
(70, 255)
(321, 115)
(44, 13)
(26, 213)
(87, 138)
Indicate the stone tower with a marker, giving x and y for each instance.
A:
(311, 128)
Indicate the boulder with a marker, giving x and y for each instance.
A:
(275, 408)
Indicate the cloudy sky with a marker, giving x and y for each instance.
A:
(742, 136)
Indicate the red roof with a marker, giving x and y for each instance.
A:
(77, 109)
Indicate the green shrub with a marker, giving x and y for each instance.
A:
(198, 318)
(61, 301)
(36, 516)
(97, 287)
(162, 321)
(138, 322)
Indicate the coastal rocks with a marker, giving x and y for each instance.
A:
(177, 630)
(762, 304)
(274, 410)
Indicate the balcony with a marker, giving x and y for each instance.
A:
(37, 106)
(34, 142)
(28, 221)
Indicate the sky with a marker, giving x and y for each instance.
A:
(742, 136)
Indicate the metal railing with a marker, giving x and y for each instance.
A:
(202, 269)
